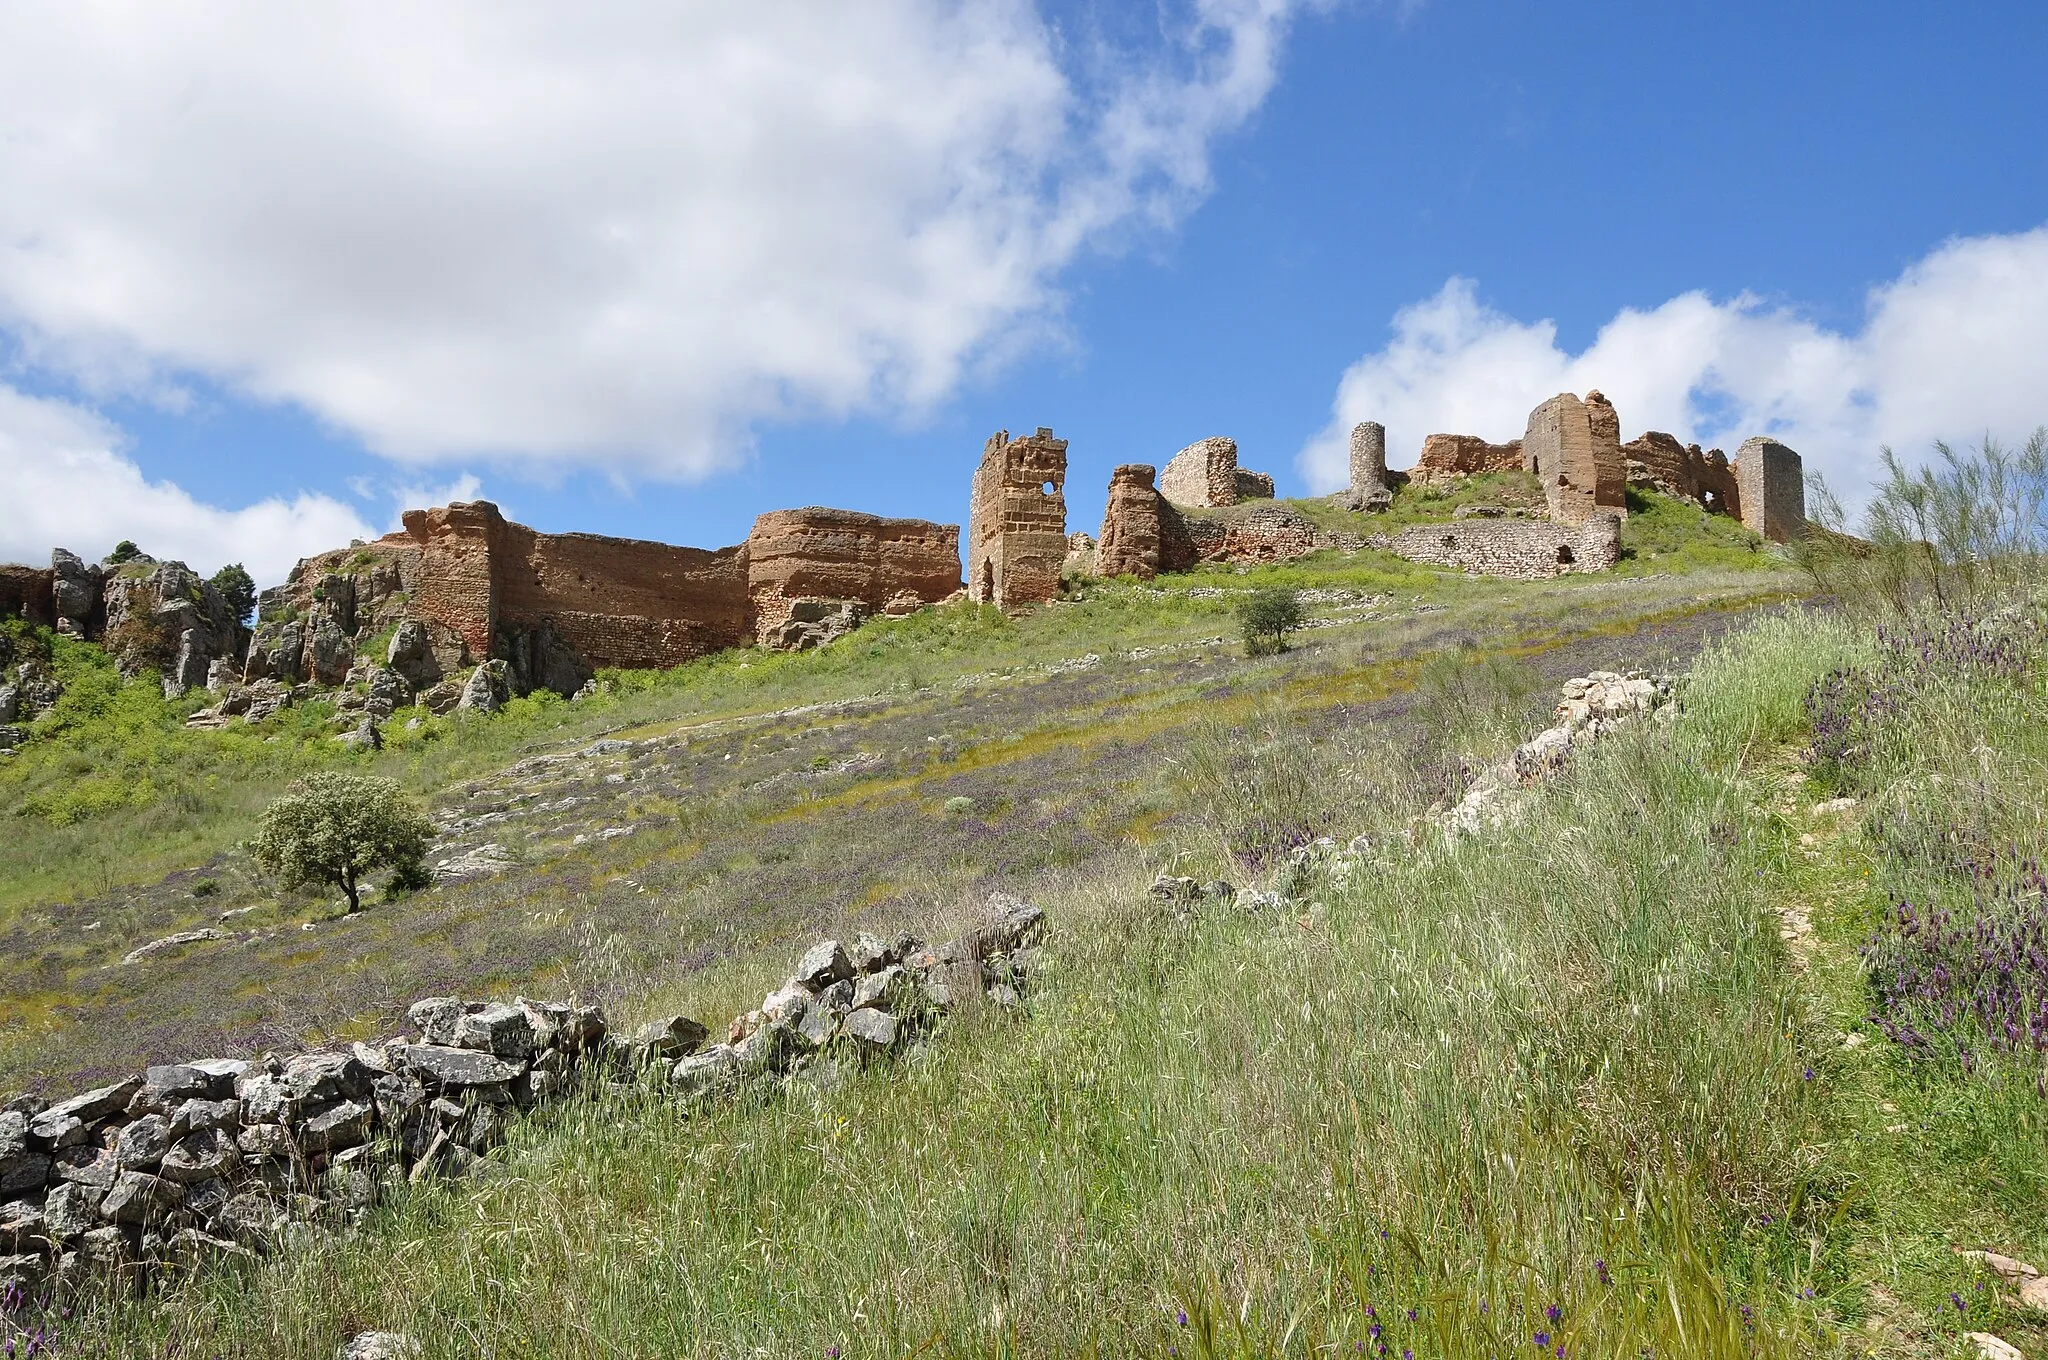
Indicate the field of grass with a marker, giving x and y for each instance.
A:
(1591, 1080)
(1726, 1047)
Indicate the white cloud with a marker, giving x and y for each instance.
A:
(68, 485)
(1951, 349)
(613, 234)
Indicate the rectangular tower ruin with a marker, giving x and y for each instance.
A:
(1017, 521)
(1574, 447)
(1770, 489)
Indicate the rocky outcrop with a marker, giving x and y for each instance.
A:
(1523, 550)
(1017, 520)
(233, 1158)
(75, 592)
(1206, 474)
(28, 593)
(1574, 448)
(806, 560)
(1592, 705)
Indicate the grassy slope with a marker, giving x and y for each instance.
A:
(1476, 1083)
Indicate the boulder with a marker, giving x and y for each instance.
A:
(388, 691)
(667, 1040)
(345, 1124)
(458, 1067)
(488, 689)
(138, 1197)
(496, 1028)
(872, 1028)
(411, 655)
(823, 964)
(143, 1143)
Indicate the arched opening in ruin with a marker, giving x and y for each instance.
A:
(1712, 500)
(1564, 555)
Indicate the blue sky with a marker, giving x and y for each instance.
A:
(698, 292)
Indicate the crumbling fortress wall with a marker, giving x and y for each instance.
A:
(1134, 525)
(1447, 458)
(1017, 520)
(805, 566)
(1206, 474)
(1574, 447)
(1524, 550)
(1656, 460)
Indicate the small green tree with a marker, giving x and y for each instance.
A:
(1267, 617)
(335, 828)
(124, 551)
(238, 588)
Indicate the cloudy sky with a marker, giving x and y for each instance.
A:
(268, 274)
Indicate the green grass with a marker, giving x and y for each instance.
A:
(1463, 1080)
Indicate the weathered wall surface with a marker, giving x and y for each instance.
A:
(1526, 550)
(1657, 460)
(1253, 486)
(1772, 484)
(1017, 520)
(887, 565)
(1202, 474)
(1270, 533)
(1449, 457)
(1131, 524)
(1575, 448)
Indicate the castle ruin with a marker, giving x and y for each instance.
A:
(1205, 474)
(1017, 520)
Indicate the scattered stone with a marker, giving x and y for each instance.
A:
(157, 946)
(667, 1040)
(380, 1346)
(823, 964)
(482, 862)
(1994, 1347)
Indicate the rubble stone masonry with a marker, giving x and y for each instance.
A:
(1451, 457)
(1017, 520)
(815, 553)
(1659, 461)
(1525, 550)
(1772, 489)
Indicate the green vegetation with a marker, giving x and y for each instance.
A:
(238, 588)
(337, 829)
(1266, 617)
(124, 551)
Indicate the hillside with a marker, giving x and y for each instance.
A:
(1609, 1074)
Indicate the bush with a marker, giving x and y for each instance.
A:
(124, 551)
(336, 828)
(1267, 617)
(238, 588)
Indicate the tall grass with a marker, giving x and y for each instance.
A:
(1562, 1069)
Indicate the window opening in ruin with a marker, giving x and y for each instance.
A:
(988, 582)
(1450, 542)
(1564, 555)
(1048, 488)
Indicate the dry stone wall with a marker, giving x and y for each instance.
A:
(224, 1158)
(1017, 520)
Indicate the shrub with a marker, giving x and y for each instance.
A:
(1267, 617)
(124, 551)
(335, 828)
(238, 588)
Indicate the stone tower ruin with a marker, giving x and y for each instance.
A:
(1770, 486)
(1574, 448)
(1017, 521)
(1369, 490)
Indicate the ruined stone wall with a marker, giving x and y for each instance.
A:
(1269, 533)
(619, 601)
(29, 593)
(1657, 460)
(1525, 550)
(887, 565)
(1253, 486)
(1017, 520)
(1202, 474)
(1575, 448)
(1451, 457)
(1131, 524)
(1772, 484)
